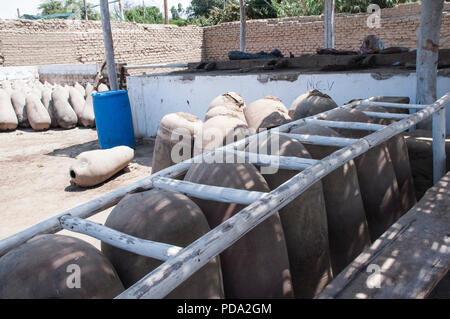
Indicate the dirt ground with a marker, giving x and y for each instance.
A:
(35, 182)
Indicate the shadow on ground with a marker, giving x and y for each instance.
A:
(74, 150)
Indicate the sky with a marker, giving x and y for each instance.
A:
(8, 8)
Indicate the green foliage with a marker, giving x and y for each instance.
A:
(179, 22)
(292, 8)
(230, 13)
(357, 6)
(202, 8)
(260, 9)
(174, 13)
(48, 7)
(177, 12)
(148, 15)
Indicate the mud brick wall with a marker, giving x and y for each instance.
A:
(305, 34)
(41, 42)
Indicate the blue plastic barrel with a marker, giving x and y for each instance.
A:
(113, 118)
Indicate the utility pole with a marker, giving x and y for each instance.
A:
(18, 13)
(166, 12)
(121, 16)
(85, 13)
(109, 47)
(242, 32)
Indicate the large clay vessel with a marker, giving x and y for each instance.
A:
(266, 113)
(47, 101)
(102, 87)
(257, 265)
(87, 116)
(94, 167)
(76, 100)
(400, 159)
(304, 223)
(393, 99)
(348, 231)
(57, 267)
(37, 114)
(8, 118)
(167, 217)
(80, 89)
(175, 139)
(230, 100)
(310, 103)
(18, 100)
(219, 131)
(376, 175)
(65, 115)
(224, 111)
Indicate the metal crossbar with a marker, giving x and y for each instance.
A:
(260, 205)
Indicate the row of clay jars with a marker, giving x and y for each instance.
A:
(181, 135)
(65, 106)
(311, 266)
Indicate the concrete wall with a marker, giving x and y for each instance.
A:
(152, 97)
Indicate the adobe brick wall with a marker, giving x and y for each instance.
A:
(27, 42)
(305, 34)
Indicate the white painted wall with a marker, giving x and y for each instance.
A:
(25, 73)
(31, 73)
(69, 69)
(153, 96)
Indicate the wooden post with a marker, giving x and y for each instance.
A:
(428, 36)
(121, 16)
(329, 23)
(85, 15)
(109, 47)
(166, 12)
(18, 13)
(439, 157)
(242, 32)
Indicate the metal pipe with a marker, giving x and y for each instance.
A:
(155, 66)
